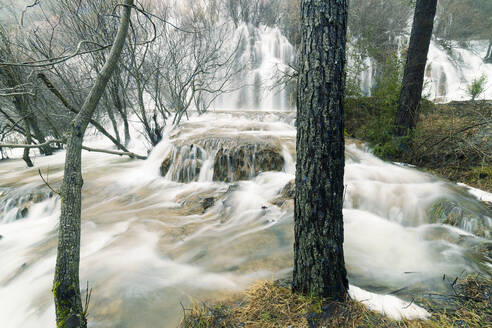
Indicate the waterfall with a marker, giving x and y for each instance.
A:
(263, 53)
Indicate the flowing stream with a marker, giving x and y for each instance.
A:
(211, 211)
(150, 242)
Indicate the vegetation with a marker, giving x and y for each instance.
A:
(269, 304)
(451, 140)
(477, 87)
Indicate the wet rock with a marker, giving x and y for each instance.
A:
(207, 203)
(246, 161)
(234, 158)
(286, 196)
(24, 211)
(16, 204)
(184, 163)
(459, 214)
(165, 166)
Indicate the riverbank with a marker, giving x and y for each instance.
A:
(270, 304)
(452, 140)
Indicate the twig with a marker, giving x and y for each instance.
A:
(88, 294)
(46, 182)
(406, 307)
(36, 2)
(114, 152)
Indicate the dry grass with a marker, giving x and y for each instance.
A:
(269, 305)
(454, 141)
(451, 140)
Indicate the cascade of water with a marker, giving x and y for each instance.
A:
(264, 53)
(149, 242)
(449, 71)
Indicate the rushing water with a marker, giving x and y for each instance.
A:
(149, 243)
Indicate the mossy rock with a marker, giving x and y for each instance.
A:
(246, 161)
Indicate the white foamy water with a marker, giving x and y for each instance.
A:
(148, 243)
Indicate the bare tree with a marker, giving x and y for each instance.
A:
(14, 80)
(190, 64)
(66, 288)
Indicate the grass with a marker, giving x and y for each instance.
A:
(268, 304)
(451, 140)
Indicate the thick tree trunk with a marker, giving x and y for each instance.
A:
(413, 75)
(66, 289)
(319, 266)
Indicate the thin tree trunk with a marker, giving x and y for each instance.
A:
(25, 154)
(111, 117)
(488, 56)
(66, 288)
(413, 75)
(319, 266)
(65, 102)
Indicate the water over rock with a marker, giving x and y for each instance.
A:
(222, 158)
(458, 214)
(187, 160)
(16, 205)
(246, 160)
(286, 198)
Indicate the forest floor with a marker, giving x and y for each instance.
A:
(452, 140)
(268, 304)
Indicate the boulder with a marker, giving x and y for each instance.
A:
(246, 161)
(234, 158)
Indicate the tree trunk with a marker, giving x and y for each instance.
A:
(488, 56)
(25, 154)
(112, 117)
(66, 289)
(413, 75)
(319, 266)
(12, 77)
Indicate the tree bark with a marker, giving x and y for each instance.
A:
(66, 288)
(488, 56)
(413, 75)
(65, 102)
(319, 266)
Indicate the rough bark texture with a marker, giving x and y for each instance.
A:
(319, 266)
(413, 75)
(66, 289)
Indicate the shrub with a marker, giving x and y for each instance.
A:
(477, 86)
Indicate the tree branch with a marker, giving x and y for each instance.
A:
(90, 149)
(65, 102)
